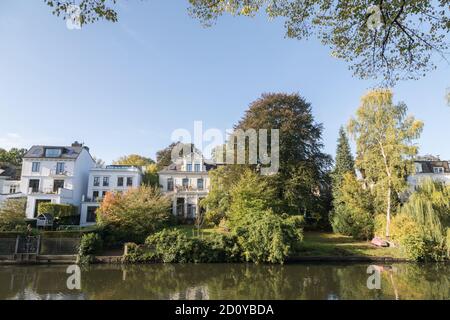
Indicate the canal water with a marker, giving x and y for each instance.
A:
(228, 281)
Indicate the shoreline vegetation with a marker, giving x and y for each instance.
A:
(316, 247)
(282, 217)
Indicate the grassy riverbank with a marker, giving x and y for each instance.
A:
(322, 244)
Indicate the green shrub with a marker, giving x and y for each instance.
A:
(268, 237)
(421, 227)
(353, 214)
(173, 246)
(225, 247)
(12, 215)
(133, 215)
(90, 244)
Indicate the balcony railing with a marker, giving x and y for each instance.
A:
(181, 188)
(60, 173)
(50, 191)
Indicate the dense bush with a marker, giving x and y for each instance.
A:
(353, 214)
(12, 215)
(90, 244)
(268, 237)
(173, 246)
(421, 227)
(133, 215)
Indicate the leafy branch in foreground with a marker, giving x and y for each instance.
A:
(400, 47)
(394, 40)
(90, 11)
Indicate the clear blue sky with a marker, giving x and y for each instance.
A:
(123, 88)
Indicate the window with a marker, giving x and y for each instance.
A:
(185, 182)
(57, 184)
(91, 214)
(438, 170)
(12, 189)
(418, 167)
(170, 184)
(189, 167)
(129, 181)
(103, 194)
(52, 152)
(197, 167)
(191, 209)
(95, 195)
(106, 181)
(59, 167)
(35, 166)
(200, 184)
(34, 185)
(120, 181)
(96, 181)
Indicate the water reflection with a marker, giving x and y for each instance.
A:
(227, 281)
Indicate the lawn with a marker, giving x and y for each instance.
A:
(191, 231)
(330, 244)
(320, 244)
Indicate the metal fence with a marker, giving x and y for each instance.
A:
(7, 246)
(39, 245)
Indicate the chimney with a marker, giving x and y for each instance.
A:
(77, 144)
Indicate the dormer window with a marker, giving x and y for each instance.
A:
(189, 167)
(53, 152)
(438, 170)
(197, 167)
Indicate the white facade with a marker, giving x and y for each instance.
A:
(187, 182)
(55, 174)
(114, 178)
(9, 189)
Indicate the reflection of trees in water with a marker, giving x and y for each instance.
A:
(228, 281)
(35, 282)
(423, 281)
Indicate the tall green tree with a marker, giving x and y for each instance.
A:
(134, 160)
(384, 136)
(344, 164)
(13, 156)
(301, 181)
(344, 161)
(218, 200)
(164, 156)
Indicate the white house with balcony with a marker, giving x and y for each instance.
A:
(186, 181)
(112, 178)
(430, 167)
(9, 182)
(57, 174)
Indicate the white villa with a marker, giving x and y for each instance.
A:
(186, 181)
(112, 178)
(430, 167)
(57, 174)
(9, 182)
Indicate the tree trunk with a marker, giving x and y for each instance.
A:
(388, 212)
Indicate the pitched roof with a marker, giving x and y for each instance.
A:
(67, 152)
(428, 166)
